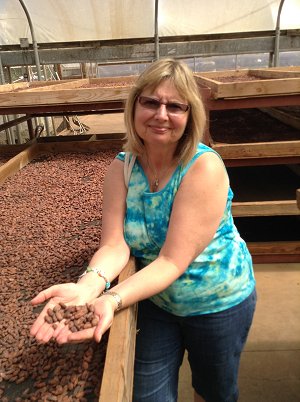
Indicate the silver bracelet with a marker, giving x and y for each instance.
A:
(116, 296)
(100, 273)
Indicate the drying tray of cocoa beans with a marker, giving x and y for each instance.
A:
(81, 91)
(253, 133)
(250, 82)
(51, 198)
(249, 125)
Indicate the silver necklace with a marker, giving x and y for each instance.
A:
(155, 183)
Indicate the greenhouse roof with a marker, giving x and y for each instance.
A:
(74, 20)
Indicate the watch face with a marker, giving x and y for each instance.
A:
(117, 298)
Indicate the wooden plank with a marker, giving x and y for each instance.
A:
(64, 96)
(284, 117)
(268, 83)
(15, 164)
(53, 85)
(258, 149)
(111, 82)
(275, 258)
(117, 378)
(283, 68)
(14, 87)
(67, 92)
(265, 208)
(274, 248)
(213, 75)
(27, 86)
(267, 73)
(258, 88)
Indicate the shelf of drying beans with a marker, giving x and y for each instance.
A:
(254, 124)
(69, 96)
(51, 197)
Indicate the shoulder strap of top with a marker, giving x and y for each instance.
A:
(128, 166)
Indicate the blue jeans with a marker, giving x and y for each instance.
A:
(213, 342)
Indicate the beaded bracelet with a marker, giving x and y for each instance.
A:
(100, 273)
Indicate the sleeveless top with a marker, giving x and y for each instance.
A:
(219, 278)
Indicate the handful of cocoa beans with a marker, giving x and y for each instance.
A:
(76, 317)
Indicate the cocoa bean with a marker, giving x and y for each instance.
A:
(48, 319)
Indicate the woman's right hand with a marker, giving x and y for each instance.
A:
(69, 294)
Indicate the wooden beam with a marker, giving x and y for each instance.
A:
(18, 162)
(275, 258)
(119, 361)
(274, 248)
(253, 102)
(258, 149)
(265, 208)
(270, 73)
(275, 252)
(63, 96)
(12, 123)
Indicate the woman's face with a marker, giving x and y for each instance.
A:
(157, 123)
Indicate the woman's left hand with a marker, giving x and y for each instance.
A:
(104, 310)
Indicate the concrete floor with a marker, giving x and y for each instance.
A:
(270, 364)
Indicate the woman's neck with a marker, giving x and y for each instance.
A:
(158, 167)
(160, 158)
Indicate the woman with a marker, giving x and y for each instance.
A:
(195, 284)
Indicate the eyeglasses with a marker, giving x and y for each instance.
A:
(171, 107)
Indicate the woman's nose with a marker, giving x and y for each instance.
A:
(162, 112)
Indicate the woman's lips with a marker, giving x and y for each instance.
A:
(159, 130)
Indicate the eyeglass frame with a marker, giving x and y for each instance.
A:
(182, 107)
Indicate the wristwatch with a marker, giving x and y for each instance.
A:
(116, 296)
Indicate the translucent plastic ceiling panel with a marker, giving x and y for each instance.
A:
(76, 20)
(195, 17)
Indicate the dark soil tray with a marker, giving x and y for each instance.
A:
(291, 110)
(263, 183)
(248, 126)
(269, 228)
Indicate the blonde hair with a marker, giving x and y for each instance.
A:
(182, 77)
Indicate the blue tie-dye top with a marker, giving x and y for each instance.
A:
(219, 278)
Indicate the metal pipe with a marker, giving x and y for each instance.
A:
(2, 78)
(36, 54)
(10, 138)
(34, 43)
(9, 135)
(156, 36)
(277, 36)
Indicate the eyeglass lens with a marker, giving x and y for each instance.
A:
(155, 104)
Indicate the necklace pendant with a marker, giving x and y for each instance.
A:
(155, 184)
